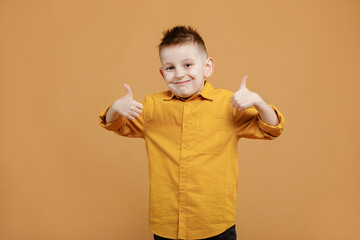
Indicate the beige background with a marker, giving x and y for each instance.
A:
(63, 62)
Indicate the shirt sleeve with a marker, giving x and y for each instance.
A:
(123, 126)
(248, 124)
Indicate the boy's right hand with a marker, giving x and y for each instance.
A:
(125, 106)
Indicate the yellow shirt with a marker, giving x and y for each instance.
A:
(193, 161)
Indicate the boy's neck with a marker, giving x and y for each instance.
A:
(186, 98)
(183, 98)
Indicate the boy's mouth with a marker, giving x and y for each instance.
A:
(182, 82)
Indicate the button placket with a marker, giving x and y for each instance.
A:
(182, 170)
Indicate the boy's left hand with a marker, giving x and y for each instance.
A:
(244, 98)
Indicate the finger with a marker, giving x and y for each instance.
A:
(135, 109)
(234, 103)
(134, 114)
(137, 104)
(239, 108)
(129, 117)
(243, 83)
(128, 90)
(233, 99)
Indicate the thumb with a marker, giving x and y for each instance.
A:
(128, 90)
(243, 83)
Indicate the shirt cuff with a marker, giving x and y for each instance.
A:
(274, 131)
(112, 125)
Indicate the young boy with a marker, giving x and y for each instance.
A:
(191, 133)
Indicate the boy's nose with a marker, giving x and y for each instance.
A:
(180, 74)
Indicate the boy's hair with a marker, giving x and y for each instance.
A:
(181, 35)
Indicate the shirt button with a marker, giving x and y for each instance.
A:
(185, 125)
(184, 146)
(182, 188)
(182, 167)
(181, 209)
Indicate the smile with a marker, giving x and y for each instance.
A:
(182, 82)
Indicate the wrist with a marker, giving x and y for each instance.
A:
(259, 102)
(111, 115)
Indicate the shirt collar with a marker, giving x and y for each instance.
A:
(206, 92)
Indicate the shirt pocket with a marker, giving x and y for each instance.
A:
(210, 134)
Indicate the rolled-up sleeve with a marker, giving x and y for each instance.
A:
(249, 124)
(273, 131)
(123, 126)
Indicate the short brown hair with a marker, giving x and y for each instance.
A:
(180, 35)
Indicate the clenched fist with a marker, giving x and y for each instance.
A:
(244, 98)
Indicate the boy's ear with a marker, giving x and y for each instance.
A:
(209, 67)
(161, 71)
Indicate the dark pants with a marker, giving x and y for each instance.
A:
(229, 234)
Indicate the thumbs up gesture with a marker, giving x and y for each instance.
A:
(244, 98)
(125, 106)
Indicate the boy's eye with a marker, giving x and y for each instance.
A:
(188, 65)
(169, 68)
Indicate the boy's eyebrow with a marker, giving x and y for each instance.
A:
(166, 63)
(184, 60)
(188, 59)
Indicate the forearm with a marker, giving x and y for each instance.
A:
(111, 115)
(266, 113)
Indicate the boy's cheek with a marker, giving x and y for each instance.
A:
(167, 78)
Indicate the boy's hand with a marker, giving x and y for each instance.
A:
(125, 106)
(244, 98)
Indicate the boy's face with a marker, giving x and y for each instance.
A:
(184, 68)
